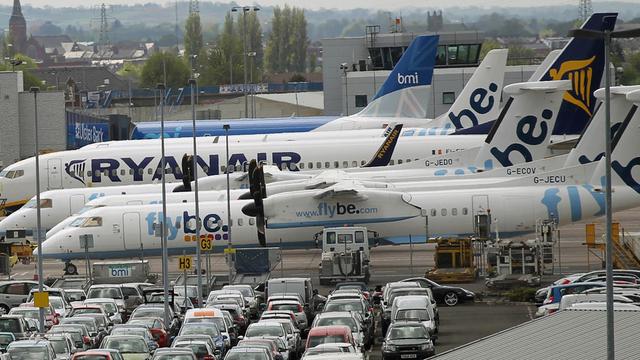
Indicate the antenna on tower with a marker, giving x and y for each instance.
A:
(586, 9)
(103, 35)
(194, 7)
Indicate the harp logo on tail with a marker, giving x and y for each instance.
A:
(580, 72)
(75, 169)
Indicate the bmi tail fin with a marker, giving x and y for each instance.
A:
(479, 101)
(582, 62)
(382, 157)
(590, 146)
(404, 92)
(525, 124)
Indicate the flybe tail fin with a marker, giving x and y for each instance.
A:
(582, 62)
(624, 157)
(590, 146)
(479, 101)
(385, 151)
(404, 92)
(523, 130)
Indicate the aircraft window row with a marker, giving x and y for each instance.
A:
(11, 174)
(444, 211)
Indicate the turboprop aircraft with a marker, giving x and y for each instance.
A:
(291, 219)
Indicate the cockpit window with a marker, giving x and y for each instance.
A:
(93, 221)
(11, 174)
(78, 222)
(44, 203)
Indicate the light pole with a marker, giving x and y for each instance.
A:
(163, 231)
(252, 56)
(129, 92)
(344, 67)
(229, 243)
(192, 83)
(607, 35)
(35, 91)
(244, 9)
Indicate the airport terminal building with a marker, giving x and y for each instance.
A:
(354, 68)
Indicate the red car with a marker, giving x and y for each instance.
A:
(329, 334)
(51, 317)
(157, 328)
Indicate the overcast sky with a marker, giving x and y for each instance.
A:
(315, 4)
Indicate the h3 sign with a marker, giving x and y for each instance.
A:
(185, 262)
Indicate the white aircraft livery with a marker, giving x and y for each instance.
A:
(566, 195)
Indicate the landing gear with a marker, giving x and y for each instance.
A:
(70, 269)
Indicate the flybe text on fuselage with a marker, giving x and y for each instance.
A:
(211, 226)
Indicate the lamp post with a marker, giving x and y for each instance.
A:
(252, 55)
(163, 230)
(344, 67)
(35, 91)
(244, 9)
(607, 35)
(229, 243)
(192, 83)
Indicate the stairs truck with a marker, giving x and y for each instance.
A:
(345, 254)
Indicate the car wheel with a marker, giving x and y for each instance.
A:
(4, 309)
(70, 269)
(451, 299)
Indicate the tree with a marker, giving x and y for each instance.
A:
(254, 44)
(230, 49)
(519, 55)
(48, 28)
(28, 79)
(488, 45)
(286, 48)
(161, 64)
(192, 35)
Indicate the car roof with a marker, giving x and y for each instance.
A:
(267, 322)
(335, 314)
(329, 330)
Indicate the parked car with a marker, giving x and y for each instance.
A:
(328, 335)
(14, 292)
(31, 349)
(17, 325)
(444, 294)
(63, 345)
(248, 353)
(130, 346)
(406, 340)
(174, 354)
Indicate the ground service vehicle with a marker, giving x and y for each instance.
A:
(345, 254)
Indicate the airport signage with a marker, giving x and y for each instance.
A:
(119, 271)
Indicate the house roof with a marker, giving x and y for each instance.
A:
(567, 335)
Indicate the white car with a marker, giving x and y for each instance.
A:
(271, 329)
(291, 305)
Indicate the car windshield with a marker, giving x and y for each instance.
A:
(88, 322)
(148, 312)
(328, 349)
(406, 293)
(218, 321)
(60, 346)
(173, 357)
(80, 311)
(255, 331)
(109, 307)
(199, 329)
(6, 339)
(325, 339)
(292, 307)
(246, 292)
(126, 345)
(344, 306)
(408, 332)
(200, 349)
(347, 321)
(91, 357)
(28, 353)
(10, 325)
(27, 313)
(128, 331)
(413, 314)
(246, 356)
(111, 293)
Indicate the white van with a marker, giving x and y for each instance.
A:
(408, 308)
(210, 315)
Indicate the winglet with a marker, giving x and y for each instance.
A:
(382, 157)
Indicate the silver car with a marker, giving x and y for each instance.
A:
(13, 293)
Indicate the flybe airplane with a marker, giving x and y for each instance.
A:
(565, 195)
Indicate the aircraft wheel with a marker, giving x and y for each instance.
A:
(70, 269)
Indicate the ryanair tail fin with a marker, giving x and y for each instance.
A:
(523, 130)
(590, 146)
(479, 101)
(404, 92)
(582, 62)
(382, 157)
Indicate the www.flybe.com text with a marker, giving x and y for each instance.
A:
(330, 210)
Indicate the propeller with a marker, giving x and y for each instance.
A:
(187, 174)
(257, 192)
